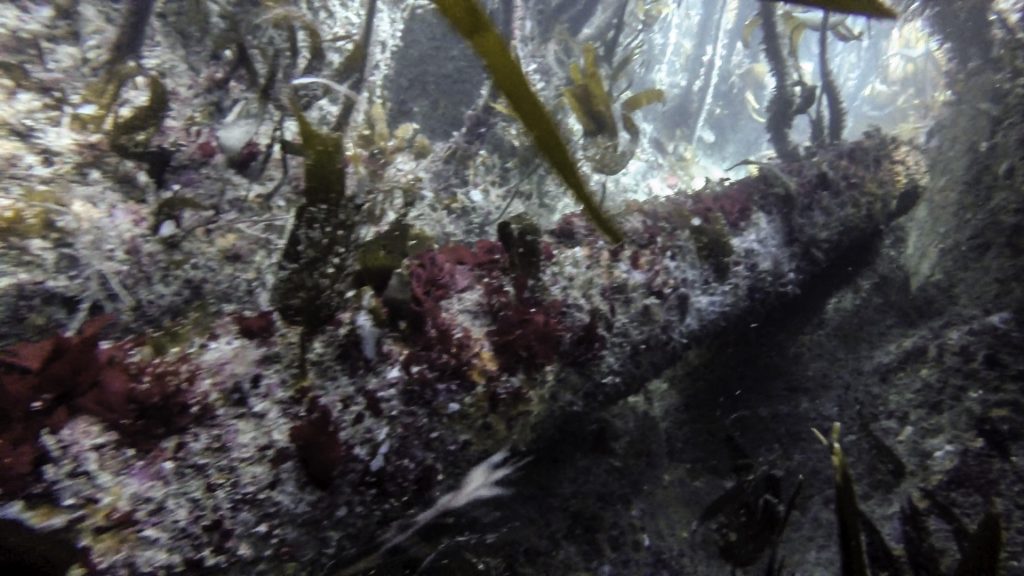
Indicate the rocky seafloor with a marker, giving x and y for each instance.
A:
(657, 397)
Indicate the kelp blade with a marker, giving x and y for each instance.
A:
(325, 162)
(641, 99)
(871, 8)
(473, 24)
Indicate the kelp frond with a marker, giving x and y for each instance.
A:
(829, 88)
(325, 162)
(309, 289)
(636, 102)
(291, 18)
(473, 24)
(593, 106)
(851, 544)
(781, 104)
(870, 8)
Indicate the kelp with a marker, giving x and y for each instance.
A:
(309, 290)
(292, 19)
(119, 67)
(749, 519)
(636, 102)
(829, 88)
(131, 34)
(379, 257)
(473, 24)
(520, 237)
(871, 8)
(781, 104)
(353, 67)
(589, 99)
(794, 24)
(981, 557)
(130, 137)
(100, 96)
(130, 134)
(848, 515)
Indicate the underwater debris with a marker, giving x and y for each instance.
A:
(473, 24)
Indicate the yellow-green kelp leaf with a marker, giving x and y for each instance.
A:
(473, 24)
(872, 8)
(851, 545)
(636, 102)
(641, 99)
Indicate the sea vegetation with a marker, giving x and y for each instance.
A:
(872, 8)
(863, 550)
(782, 104)
(794, 24)
(793, 97)
(130, 137)
(322, 253)
(592, 103)
(830, 92)
(144, 396)
(309, 290)
(750, 518)
(473, 24)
